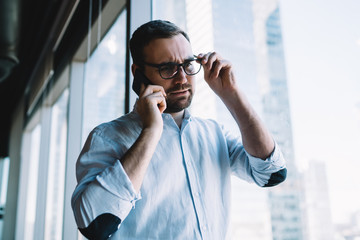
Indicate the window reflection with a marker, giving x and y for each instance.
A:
(56, 169)
(32, 182)
(4, 176)
(104, 86)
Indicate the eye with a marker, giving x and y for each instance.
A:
(168, 67)
(189, 66)
(168, 70)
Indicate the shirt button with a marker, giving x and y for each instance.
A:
(204, 228)
(196, 194)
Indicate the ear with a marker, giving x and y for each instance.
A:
(133, 68)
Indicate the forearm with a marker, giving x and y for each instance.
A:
(136, 160)
(256, 138)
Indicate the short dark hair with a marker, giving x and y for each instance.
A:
(150, 31)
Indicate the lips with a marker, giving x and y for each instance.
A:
(178, 92)
(179, 89)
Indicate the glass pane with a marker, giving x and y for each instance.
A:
(4, 170)
(104, 94)
(56, 169)
(4, 177)
(248, 33)
(32, 183)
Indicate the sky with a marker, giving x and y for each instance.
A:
(322, 52)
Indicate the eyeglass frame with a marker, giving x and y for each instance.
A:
(158, 66)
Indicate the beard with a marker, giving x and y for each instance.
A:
(178, 104)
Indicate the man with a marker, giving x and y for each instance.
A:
(160, 173)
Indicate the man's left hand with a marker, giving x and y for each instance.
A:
(218, 73)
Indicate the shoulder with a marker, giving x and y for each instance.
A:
(126, 125)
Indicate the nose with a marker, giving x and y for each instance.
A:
(180, 76)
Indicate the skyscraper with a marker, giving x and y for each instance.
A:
(286, 200)
(318, 215)
(234, 40)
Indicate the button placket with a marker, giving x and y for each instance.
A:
(194, 186)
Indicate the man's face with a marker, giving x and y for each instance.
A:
(180, 89)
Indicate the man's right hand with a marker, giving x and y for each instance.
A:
(150, 106)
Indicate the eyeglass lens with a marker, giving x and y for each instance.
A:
(171, 69)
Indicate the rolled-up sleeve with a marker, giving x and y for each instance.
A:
(268, 172)
(265, 173)
(103, 185)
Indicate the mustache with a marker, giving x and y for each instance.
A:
(179, 87)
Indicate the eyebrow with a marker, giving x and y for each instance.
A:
(190, 58)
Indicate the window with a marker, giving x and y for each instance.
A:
(247, 33)
(104, 85)
(4, 170)
(33, 147)
(323, 89)
(65, 109)
(56, 168)
(4, 176)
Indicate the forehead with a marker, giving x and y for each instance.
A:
(174, 49)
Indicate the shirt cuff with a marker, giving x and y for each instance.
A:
(111, 192)
(262, 169)
(116, 181)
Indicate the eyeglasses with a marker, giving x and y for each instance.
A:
(169, 70)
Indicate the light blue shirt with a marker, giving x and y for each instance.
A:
(186, 190)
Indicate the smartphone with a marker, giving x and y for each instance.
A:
(139, 78)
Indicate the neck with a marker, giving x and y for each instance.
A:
(178, 117)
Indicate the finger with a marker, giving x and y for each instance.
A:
(210, 57)
(150, 89)
(213, 60)
(218, 67)
(159, 100)
(200, 57)
(162, 105)
(204, 61)
(155, 97)
(156, 94)
(204, 58)
(157, 88)
(208, 62)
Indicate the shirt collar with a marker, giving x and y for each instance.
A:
(187, 115)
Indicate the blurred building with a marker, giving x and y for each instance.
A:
(286, 201)
(318, 210)
(350, 230)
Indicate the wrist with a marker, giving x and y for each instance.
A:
(153, 132)
(232, 97)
